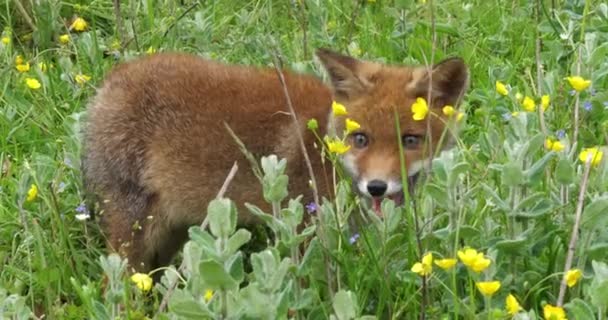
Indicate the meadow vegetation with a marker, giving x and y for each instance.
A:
(511, 222)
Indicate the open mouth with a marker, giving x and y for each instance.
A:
(397, 197)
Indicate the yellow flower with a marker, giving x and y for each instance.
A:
(6, 40)
(473, 259)
(42, 66)
(208, 295)
(446, 264)
(595, 154)
(420, 109)
(32, 193)
(554, 313)
(424, 267)
(32, 83)
(459, 116)
(115, 45)
(19, 59)
(82, 78)
(338, 109)
(554, 145)
(518, 96)
(150, 51)
(578, 83)
(481, 263)
(337, 146)
(24, 67)
(501, 88)
(544, 102)
(448, 110)
(513, 307)
(351, 125)
(572, 277)
(64, 38)
(142, 281)
(488, 288)
(79, 24)
(528, 104)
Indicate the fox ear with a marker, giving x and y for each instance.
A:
(345, 73)
(450, 79)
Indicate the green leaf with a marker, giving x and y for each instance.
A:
(344, 305)
(222, 217)
(438, 194)
(184, 305)
(513, 246)
(458, 169)
(537, 168)
(564, 172)
(235, 267)
(237, 240)
(495, 197)
(594, 216)
(215, 277)
(512, 175)
(580, 309)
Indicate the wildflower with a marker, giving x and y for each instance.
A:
(473, 259)
(572, 277)
(420, 109)
(351, 125)
(424, 267)
(459, 117)
(42, 66)
(554, 145)
(544, 102)
(6, 40)
(554, 313)
(32, 83)
(115, 45)
(578, 83)
(151, 50)
(587, 105)
(312, 207)
(79, 24)
(338, 109)
(312, 124)
(19, 59)
(501, 88)
(208, 295)
(354, 238)
(446, 264)
(488, 288)
(518, 96)
(513, 307)
(528, 104)
(560, 134)
(24, 67)
(595, 154)
(64, 38)
(448, 110)
(32, 193)
(337, 146)
(82, 78)
(142, 281)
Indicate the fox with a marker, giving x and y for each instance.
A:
(156, 149)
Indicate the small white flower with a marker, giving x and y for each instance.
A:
(82, 216)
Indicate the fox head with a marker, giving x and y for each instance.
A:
(374, 95)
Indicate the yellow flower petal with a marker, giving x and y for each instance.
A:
(446, 264)
(420, 109)
(19, 60)
(518, 96)
(79, 24)
(64, 39)
(529, 104)
(513, 307)
(554, 145)
(595, 154)
(467, 256)
(142, 281)
(24, 67)
(32, 193)
(572, 277)
(578, 83)
(448, 110)
(544, 102)
(427, 260)
(501, 88)
(6, 40)
(208, 295)
(351, 125)
(480, 263)
(81, 78)
(42, 66)
(551, 312)
(488, 288)
(337, 146)
(33, 83)
(338, 109)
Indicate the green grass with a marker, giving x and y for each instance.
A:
(499, 191)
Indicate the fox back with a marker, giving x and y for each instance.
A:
(156, 149)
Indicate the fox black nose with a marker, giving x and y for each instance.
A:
(376, 188)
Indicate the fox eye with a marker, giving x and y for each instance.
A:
(410, 141)
(360, 140)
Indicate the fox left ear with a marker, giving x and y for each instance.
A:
(450, 80)
(349, 76)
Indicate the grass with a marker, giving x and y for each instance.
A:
(500, 191)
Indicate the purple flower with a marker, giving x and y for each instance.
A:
(354, 238)
(81, 208)
(560, 134)
(68, 162)
(587, 105)
(61, 187)
(312, 207)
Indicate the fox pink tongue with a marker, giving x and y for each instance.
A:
(377, 206)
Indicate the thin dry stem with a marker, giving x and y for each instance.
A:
(119, 23)
(25, 15)
(204, 224)
(539, 71)
(575, 228)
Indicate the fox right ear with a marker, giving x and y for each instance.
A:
(344, 72)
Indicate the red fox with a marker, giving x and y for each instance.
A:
(156, 150)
